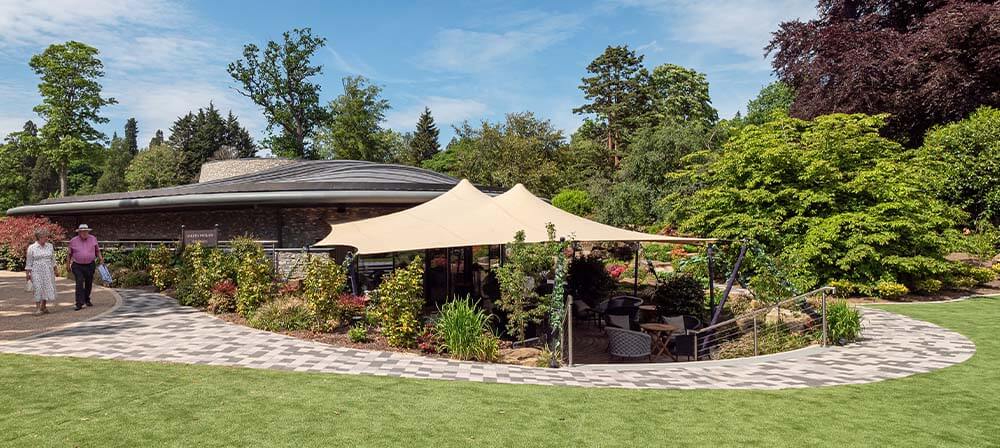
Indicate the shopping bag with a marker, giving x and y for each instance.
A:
(28, 286)
(105, 274)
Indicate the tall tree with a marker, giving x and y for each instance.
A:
(521, 149)
(354, 130)
(71, 103)
(925, 63)
(776, 97)
(277, 80)
(681, 95)
(156, 167)
(116, 160)
(132, 136)
(619, 94)
(198, 136)
(157, 139)
(424, 143)
(17, 160)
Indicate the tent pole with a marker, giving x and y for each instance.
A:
(635, 284)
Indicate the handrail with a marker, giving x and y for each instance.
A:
(767, 309)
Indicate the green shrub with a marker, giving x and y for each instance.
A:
(844, 288)
(982, 275)
(588, 280)
(890, 290)
(61, 254)
(928, 286)
(325, 280)
(283, 314)
(577, 202)
(358, 334)
(161, 267)
(658, 252)
(137, 258)
(254, 277)
(843, 322)
(124, 277)
(200, 270)
(465, 332)
(401, 297)
(680, 294)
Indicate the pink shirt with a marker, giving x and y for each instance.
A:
(83, 251)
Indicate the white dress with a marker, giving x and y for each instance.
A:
(40, 261)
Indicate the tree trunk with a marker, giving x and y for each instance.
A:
(62, 180)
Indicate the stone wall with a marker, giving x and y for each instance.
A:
(292, 227)
(222, 169)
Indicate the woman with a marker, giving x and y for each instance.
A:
(40, 268)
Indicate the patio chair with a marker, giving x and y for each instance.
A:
(682, 345)
(586, 312)
(628, 344)
(683, 323)
(623, 317)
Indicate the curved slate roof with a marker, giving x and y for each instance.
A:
(292, 181)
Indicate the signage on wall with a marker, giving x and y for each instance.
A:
(207, 238)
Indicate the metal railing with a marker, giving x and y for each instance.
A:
(787, 325)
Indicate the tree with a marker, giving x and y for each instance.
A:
(829, 196)
(71, 103)
(775, 98)
(277, 80)
(116, 161)
(522, 149)
(17, 160)
(132, 137)
(681, 95)
(155, 167)
(198, 136)
(925, 63)
(970, 149)
(157, 139)
(354, 130)
(424, 144)
(619, 94)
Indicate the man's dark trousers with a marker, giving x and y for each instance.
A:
(84, 274)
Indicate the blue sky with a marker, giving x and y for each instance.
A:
(464, 60)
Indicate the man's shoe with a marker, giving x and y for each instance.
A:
(87, 303)
(77, 308)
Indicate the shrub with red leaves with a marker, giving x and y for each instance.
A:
(224, 287)
(290, 288)
(429, 341)
(616, 270)
(351, 305)
(18, 232)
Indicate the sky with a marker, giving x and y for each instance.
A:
(464, 60)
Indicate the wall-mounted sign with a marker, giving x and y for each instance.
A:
(207, 238)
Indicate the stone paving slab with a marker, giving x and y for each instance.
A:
(152, 327)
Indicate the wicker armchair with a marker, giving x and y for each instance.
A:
(628, 344)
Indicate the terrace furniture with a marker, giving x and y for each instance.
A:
(628, 344)
(586, 312)
(660, 335)
(623, 317)
(682, 345)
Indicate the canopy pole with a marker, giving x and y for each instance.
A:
(635, 283)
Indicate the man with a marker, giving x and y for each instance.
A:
(83, 250)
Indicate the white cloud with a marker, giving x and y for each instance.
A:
(741, 26)
(160, 60)
(446, 112)
(464, 50)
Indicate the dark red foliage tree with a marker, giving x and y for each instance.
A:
(924, 62)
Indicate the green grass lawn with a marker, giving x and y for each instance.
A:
(74, 402)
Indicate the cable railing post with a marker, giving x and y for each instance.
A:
(569, 329)
(755, 335)
(696, 346)
(823, 301)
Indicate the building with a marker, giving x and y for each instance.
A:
(290, 203)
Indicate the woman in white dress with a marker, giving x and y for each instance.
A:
(40, 267)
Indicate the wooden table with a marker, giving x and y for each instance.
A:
(661, 334)
(648, 312)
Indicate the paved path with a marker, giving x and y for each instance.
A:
(17, 306)
(152, 327)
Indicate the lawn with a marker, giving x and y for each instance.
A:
(75, 402)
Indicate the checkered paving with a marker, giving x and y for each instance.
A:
(152, 327)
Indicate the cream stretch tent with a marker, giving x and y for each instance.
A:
(465, 216)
